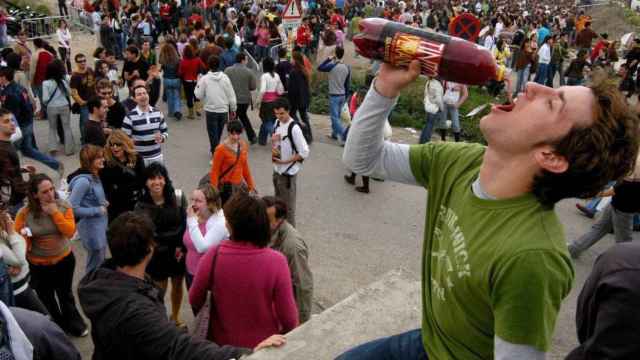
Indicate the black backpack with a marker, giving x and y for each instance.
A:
(290, 138)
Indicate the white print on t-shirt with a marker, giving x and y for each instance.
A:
(453, 259)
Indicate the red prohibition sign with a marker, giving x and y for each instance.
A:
(465, 26)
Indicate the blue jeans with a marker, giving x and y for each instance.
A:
(215, 126)
(261, 52)
(542, 73)
(406, 346)
(523, 77)
(452, 113)
(6, 288)
(95, 258)
(266, 128)
(427, 130)
(335, 108)
(553, 69)
(84, 116)
(29, 149)
(172, 91)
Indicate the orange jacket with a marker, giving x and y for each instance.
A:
(65, 223)
(223, 158)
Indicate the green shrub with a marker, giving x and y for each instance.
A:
(409, 111)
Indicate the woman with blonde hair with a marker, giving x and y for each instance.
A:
(122, 174)
(206, 227)
(170, 61)
(90, 205)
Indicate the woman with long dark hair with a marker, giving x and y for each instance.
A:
(169, 61)
(166, 208)
(55, 99)
(270, 89)
(47, 223)
(299, 94)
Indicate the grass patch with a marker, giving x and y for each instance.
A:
(409, 111)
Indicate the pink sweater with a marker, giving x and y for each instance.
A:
(252, 291)
(193, 257)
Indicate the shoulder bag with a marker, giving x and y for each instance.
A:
(202, 322)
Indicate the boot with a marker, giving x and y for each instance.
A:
(365, 185)
(350, 179)
(198, 106)
(456, 136)
(443, 134)
(190, 114)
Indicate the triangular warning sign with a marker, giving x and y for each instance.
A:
(292, 11)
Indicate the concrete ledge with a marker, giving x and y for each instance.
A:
(389, 306)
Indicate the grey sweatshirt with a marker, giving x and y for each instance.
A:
(243, 81)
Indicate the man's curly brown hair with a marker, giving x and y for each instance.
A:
(604, 151)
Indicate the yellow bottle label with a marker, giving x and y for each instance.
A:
(403, 48)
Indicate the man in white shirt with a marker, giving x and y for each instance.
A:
(288, 152)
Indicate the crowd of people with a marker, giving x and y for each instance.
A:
(239, 255)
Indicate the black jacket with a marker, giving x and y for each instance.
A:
(129, 321)
(607, 316)
(299, 94)
(122, 186)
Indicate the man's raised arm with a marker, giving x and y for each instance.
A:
(366, 152)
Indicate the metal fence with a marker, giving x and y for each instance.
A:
(45, 27)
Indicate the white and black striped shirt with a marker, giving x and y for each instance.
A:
(141, 127)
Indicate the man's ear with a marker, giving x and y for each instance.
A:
(548, 159)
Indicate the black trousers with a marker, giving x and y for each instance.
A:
(30, 301)
(189, 87)
(65, 56)
(303, 120)
(241, 112)
(51, 281)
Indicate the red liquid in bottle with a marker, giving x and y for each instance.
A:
(445, 57)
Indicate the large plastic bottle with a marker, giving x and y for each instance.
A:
(445, 57)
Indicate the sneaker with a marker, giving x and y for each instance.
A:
(586, 211)
(253, 141)
(178, 115)
(362, 189)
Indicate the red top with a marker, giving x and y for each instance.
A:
(189, 68)
(303, 36)
(44, 59)
(252, 291)
(194, 19)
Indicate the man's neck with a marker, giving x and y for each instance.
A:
(93, 118)
(5, 137)
(136, 271)
(145, 108)
(505, 178)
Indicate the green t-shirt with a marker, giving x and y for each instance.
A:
(490, 267)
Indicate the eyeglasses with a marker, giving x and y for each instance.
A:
(81, 61)
(115, 144)
(106, 93)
